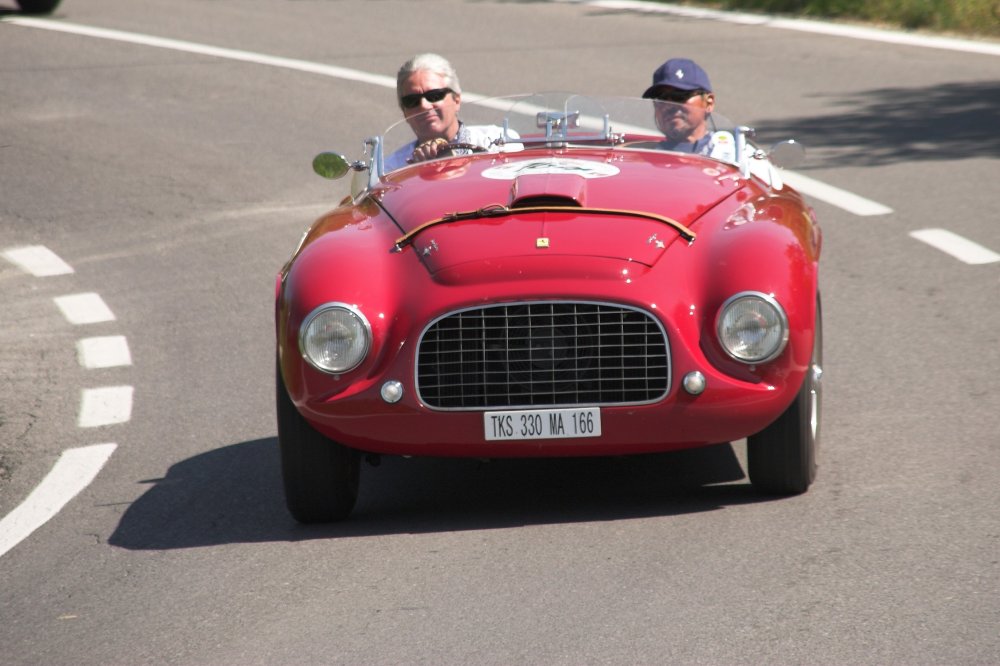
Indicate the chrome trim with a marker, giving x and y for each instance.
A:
(377, 170)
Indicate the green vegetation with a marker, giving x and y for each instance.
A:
(968, 17)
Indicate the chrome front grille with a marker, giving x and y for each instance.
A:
(542, 354)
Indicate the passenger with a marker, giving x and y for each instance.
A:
(430, 96)
(686, 115)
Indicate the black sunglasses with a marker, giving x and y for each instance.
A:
(676, 96)
(432, 96)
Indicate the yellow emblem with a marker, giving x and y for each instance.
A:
(541, 242)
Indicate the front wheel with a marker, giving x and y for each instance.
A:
(321, 477)
(782, 457)
(37, 6)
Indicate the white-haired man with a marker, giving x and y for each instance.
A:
(430, 97)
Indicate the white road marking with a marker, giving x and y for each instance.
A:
(834, 196)
(850, 202)
(104, 352)
(104, 406)
(38, 260)
(78, 467)
(73, 472)
(957, 246)
(84, 308)
(205, 49)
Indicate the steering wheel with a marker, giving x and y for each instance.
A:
(452, 147)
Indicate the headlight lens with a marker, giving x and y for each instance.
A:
(752, 327)
(335, 338)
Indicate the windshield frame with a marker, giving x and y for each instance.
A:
(555, 120)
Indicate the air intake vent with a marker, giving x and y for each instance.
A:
(529, 202)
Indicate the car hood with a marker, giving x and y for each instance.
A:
(555, 206)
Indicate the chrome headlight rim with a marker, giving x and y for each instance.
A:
(364, 328)
(779, 314)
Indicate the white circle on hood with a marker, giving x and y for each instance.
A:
(551, 165)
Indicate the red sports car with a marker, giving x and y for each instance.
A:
(570, 288)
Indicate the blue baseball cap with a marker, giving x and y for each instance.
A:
(679, 73)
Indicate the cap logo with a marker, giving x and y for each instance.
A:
(679, 74)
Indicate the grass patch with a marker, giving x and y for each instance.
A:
(968, 17)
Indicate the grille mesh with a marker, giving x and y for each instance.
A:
(542, 354)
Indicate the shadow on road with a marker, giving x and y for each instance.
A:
(234, 495)
(892, 125)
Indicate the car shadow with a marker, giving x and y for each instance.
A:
(892, 125)
(11, 11)
(234, 495)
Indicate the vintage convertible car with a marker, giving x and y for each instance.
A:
(570, 289)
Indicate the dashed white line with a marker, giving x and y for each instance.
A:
(73, 472)
(957, 246)
(104, 352)
(842, 199)
(86, 308)
(38, 260)
(77, 467)
(107, 405)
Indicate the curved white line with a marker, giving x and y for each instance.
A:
(831, 195)
(77, 467)
(205, 49)
(741, 18)
(73, 472)
(801, 25)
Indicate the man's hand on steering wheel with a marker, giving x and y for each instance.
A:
(440, 148)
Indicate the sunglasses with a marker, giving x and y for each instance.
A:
(432, 96)
(677, 96)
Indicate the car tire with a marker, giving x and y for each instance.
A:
(321, 477)
(782, 458)
(37, 6)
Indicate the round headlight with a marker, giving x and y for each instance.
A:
(334, 338)
(752, 327)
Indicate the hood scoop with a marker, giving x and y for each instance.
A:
(548, 189)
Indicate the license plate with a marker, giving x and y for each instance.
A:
(543, 423)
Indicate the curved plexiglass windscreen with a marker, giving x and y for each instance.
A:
(507, 124)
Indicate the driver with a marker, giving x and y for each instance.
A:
(684, 101)
(430, 95)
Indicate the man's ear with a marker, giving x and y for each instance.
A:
(710, 101)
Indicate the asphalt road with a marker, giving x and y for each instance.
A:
(173, 184)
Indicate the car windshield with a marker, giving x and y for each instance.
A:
(508, 124)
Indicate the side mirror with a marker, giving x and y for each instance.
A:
(331, 165)
(787, 154)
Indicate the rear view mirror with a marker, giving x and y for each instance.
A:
(787, 154)
(331, 165)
